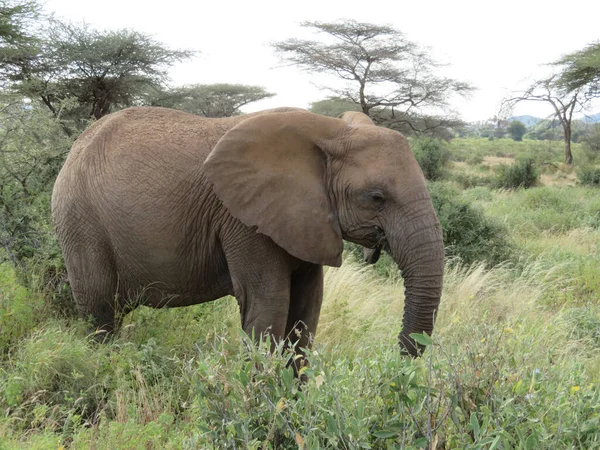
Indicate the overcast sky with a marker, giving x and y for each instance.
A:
(497, 46)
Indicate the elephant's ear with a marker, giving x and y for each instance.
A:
(270, 171)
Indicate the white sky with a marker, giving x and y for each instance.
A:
(497, 46)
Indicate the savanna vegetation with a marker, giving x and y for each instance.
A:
(515, 358)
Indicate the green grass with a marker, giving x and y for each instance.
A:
(472, 150)
(545, 209)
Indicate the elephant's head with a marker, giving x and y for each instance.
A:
(309, 181)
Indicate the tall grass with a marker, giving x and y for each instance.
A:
(504, 368)
(541, 151)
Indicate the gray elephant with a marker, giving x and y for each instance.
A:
(162, 208)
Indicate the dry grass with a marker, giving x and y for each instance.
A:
(497, 160)
(360, 306)
(559, 179)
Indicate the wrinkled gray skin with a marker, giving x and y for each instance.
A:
(162, 208)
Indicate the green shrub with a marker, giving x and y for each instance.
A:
(480, 193)
(468, 233)
(474, 160)
(20, 311)
(431, 154)
(521, 174)
(589, 176)
(467, 181)
(585, 324)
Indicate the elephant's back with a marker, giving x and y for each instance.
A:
(143, 133)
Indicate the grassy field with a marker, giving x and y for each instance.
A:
(514, 361)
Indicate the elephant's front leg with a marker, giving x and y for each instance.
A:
(261, 276)
(305, 305)
(264, 309)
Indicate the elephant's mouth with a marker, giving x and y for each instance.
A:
(372, 237)
(379, 242)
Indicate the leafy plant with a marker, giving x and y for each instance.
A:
(431, 154)
(589, 176)
(468, 233)
(522, 174)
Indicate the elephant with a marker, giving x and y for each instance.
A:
(159, 207)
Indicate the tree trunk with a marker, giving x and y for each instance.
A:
(568, 154)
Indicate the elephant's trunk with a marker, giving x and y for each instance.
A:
(417, 247)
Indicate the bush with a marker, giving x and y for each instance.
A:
(474, 160)
(589, 176)
(468, 234)
(467, 181)
(20, 311)
(431, 154)
(521, 174)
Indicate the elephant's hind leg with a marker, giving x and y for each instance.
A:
(95, 285)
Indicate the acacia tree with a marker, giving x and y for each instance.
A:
(581, 71)
(564, 104)
(383, 72)
(97, 71)
(17, 41)
(211, 100)
(333, 106)
(16, 17)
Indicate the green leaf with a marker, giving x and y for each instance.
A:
(243, 376)
(420, 443)
(422, 339)
(475, 425)
(385, 434)
(495, 443)
(531, 442)
(288, 377)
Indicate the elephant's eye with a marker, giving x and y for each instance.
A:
(377, 197)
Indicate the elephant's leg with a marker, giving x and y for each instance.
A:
(261, 274)
(95, 286)
(305, 305)
(264, 308)
(262, 289)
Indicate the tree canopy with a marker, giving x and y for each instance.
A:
(211, 100)
(333, 106)
(18, 45)
(381, 70)
(581, 71)
(97, 71)
(15, 19)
